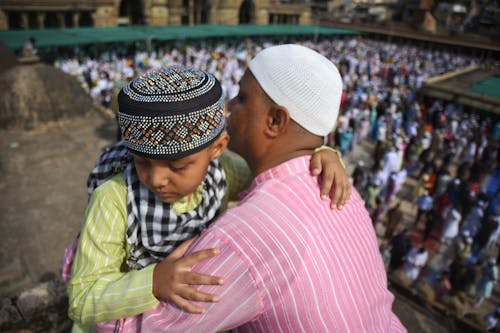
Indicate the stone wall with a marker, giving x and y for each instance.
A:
(106, 13)
(40, 308)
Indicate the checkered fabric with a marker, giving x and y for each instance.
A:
(153, 229)
(113, 161)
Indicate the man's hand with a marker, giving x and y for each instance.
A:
(327, 164)
(173, 276)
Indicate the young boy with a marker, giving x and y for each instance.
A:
(159, 187)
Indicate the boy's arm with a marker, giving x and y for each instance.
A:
(327, 164)
(240, 302)
(99, 289)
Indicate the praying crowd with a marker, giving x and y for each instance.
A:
(431, 181)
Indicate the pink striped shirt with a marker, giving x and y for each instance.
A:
(291, 264)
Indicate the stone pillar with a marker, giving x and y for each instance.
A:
(305, 18)
(76, 19)
(197, 13)
(262, 16)
(25, 20)
(175, 11)
(61, 20)
(227, 11)
(157, 14)
(4, 21)
(40, 17)
(105, 16)
(213, 12)
(191, 12)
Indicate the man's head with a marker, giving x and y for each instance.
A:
(172, 121)
(289, 99)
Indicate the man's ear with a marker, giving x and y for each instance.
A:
(278, 120)
(218, 146)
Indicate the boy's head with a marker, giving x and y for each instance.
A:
(172, 121)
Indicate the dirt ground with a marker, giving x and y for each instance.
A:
(42, 180)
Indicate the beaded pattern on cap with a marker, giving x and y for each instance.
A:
(171, 84)
(170, 135)
(172, 131)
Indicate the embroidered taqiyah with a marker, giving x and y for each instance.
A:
(172, 112)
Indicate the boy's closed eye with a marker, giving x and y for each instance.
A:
(179, 167)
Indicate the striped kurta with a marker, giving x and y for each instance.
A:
(291, 264)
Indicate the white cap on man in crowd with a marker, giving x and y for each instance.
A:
(302, 80)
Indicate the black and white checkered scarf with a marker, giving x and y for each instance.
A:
(153, 229)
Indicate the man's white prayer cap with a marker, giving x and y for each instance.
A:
(302, 80)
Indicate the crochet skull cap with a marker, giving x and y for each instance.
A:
(172, 112)
(302, 80)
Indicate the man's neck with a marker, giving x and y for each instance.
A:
(275, 157)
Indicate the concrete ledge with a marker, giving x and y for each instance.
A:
(41, 308)
(436, 309)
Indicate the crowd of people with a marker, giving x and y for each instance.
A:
(448, 151)
(452, 155)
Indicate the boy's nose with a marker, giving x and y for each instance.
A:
(159, 177)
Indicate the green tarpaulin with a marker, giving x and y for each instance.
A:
(489, 87)
(79, 36)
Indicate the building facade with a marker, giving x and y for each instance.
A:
(26, 14)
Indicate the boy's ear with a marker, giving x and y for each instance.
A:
(278, 120)
(218, 146)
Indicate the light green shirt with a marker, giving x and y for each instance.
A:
(102, 288)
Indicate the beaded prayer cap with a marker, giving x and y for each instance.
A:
(171, 112)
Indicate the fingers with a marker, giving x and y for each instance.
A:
(195, 257)
(187, 305)
(316, 166)
(342, 192)
(198, 278)
(337, 195)
(327, 180)
(181, 249)
(192, 294)
(347, 193)
(327, 190)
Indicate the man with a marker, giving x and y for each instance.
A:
(290, 263)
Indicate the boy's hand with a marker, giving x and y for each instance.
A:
(334, 180)
(173, 276)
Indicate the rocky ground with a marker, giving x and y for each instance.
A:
(42, 180)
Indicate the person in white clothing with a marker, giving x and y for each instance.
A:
(453, 217)
(416, 259)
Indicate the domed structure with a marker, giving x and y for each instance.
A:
(34, 94)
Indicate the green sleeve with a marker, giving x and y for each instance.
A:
(100, 289)
(237, 174)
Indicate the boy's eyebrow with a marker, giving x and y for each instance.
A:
(186, 159)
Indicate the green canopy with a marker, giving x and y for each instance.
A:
(489, 87)
(79, 36)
